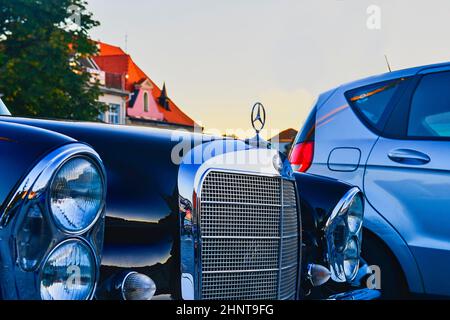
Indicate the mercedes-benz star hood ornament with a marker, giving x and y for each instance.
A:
(258, 118)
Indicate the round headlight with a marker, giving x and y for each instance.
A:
(343, 232)
(69, 272)
(351, 259)
(355, 214)
(339, 234)
(76, 195)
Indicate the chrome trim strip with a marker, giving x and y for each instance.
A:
(359, 295)
(239, 271)
(250, 270)
(288, 266)
(243, 203)
(187, 286)
(249, 203)
(280, 252)
(289, 236)
(239, 237)
(300, 241)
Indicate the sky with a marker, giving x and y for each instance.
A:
(220, 57)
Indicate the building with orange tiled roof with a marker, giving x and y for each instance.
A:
(113, 92)
(148, 105)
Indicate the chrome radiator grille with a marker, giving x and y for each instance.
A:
(250, 237)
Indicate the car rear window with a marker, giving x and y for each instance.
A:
(371, 102)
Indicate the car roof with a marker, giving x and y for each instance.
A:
(391, 75)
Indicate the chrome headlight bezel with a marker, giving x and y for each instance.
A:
(91, 252)
(340, 237)
(101, 206)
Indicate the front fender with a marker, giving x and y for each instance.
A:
(322, 198)
(20, 148)
(318, 196)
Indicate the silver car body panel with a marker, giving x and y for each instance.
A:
(408, 204)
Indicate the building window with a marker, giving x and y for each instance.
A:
(145, 102)
(114, 114)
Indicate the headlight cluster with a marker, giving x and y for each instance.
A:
(343, 232)
(59, 223)
(76, 198)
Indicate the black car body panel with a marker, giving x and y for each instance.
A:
(143, 210)
(318, 198)
(28, 145)
(142, 202)
(30, 158)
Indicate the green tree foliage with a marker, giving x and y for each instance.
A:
(42, 44)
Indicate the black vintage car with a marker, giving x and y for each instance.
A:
(115, 212)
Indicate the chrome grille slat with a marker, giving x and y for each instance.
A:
(241, 188)
(227, 284)
(232, 220)
(290, 244)
(245, 252)
(241, 237)
(239, 254)
(240, 271)
(243, 203)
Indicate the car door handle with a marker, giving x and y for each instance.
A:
(408, 156)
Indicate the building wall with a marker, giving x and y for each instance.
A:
(138, 109)
(112, 99)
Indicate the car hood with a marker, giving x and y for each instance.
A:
(21, 147)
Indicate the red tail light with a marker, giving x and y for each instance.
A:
(301, 156)
(302, 153)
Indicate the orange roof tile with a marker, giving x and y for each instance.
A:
(109, 50)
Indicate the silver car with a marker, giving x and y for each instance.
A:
(390, 135)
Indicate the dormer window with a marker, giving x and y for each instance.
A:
(145, 102)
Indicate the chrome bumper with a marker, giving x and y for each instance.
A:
(362, 294)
